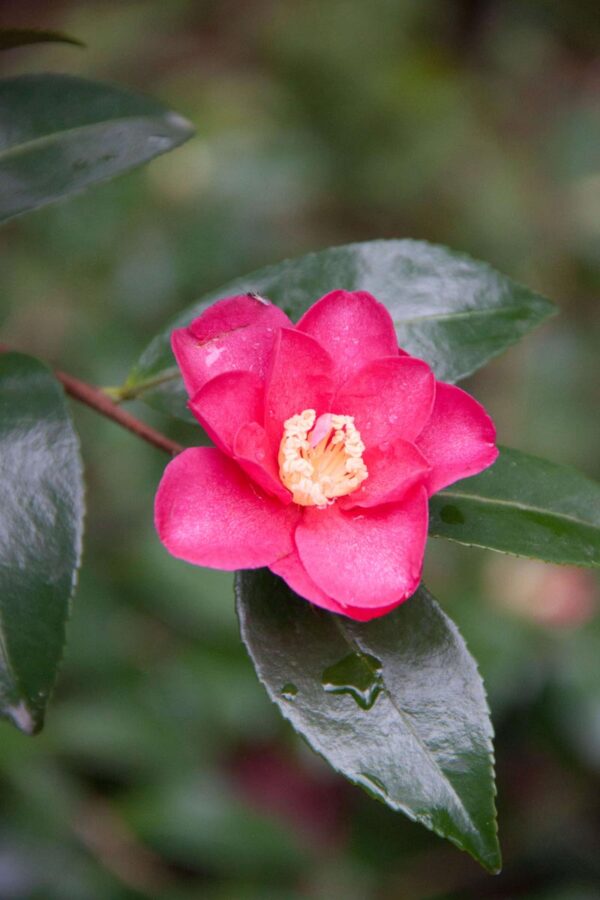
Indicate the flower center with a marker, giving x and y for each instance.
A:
(321, 459)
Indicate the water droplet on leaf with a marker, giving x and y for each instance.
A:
(359, 675)
(373, 785)
(289, 691)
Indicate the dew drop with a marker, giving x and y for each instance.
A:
(392, 418)
(260, 455)
(289, 691)
(384, 446)
(373, 785)
(359, 675)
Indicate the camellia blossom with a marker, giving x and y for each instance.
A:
(329, 440)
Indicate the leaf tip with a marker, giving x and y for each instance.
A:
(489, 854)
(549, 307)
(22, 718)
(495, 867)
(181, 125)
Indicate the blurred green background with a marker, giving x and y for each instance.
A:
(163, 770)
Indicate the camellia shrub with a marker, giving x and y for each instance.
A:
(326, 385)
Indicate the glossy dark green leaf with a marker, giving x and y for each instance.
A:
(523, 505)
(41, 521)
(396, 705)
(60, 134)
(20, 37)
(448, 309)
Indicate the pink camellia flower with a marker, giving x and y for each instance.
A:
(329, 440)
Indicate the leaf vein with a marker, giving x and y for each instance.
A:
(355, 646)
(513, 504)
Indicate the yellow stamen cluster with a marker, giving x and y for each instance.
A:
(317, 473)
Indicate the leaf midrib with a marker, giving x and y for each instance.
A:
(470, 313)
(513, 504)
(355, 647)
(47, 139)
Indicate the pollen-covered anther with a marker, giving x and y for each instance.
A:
(321, 458)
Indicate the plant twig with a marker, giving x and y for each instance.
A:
(96, 399)
(101, 403)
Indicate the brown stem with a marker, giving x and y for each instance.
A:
(97, 400)
(101, 403)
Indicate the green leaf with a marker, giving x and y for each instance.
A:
(60, 134)
(41, 523)
(396, 705)
(20, 37)
(523, 505)
(448, 309)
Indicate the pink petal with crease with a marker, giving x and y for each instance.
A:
(354, 327)
(459, 439)
(292, 571)
(392, 472)
(299, 379)
(208, 513)
(366, 614)
(368, 558)
(236, 333)
(389, 398)
(225, 403)
(252, 451)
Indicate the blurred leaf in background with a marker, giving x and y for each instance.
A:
(21, 37)
(60, 134)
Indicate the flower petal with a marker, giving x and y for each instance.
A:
(459, 439)
(354, 327)
(252, 451)
(299, 379)
(292, 571)
(234, 333)
(365, 613)
(226, 402)
(208, 513)
(372, 558)
(389, 398)
(392, 472)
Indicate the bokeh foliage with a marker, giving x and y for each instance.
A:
(164, 771)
